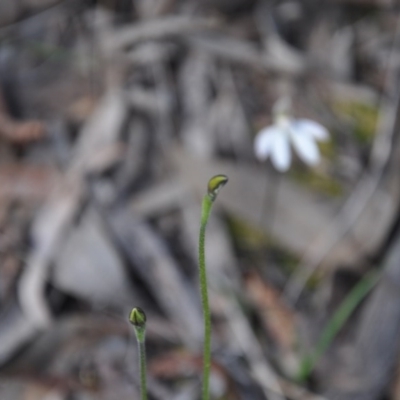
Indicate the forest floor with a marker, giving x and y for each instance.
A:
(114, 114)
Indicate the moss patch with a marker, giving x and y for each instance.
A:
(362, 117)
(251, 241)
(318, 181)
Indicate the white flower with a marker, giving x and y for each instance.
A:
(274, 141)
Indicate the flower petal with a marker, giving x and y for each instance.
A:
(315, 129)
(280, 155)
(263, 142)
(305, 146)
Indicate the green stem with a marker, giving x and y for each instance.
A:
(339, 318)
(214, 186)
(137, 318)
(206, 210)
(142, 361)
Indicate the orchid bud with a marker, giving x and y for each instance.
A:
(215, 184)
(137, 317)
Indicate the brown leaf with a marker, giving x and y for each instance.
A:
(175, 364)
(23, 181)
(20, 132)
(181, 364)
(277, 317)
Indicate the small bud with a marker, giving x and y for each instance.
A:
(137, 317)
(215, 184)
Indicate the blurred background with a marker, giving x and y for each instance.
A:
(113, 116)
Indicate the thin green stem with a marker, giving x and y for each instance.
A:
(339, 318)
(214, 186)
(137, 318)
(142, 362)
(206, 209)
